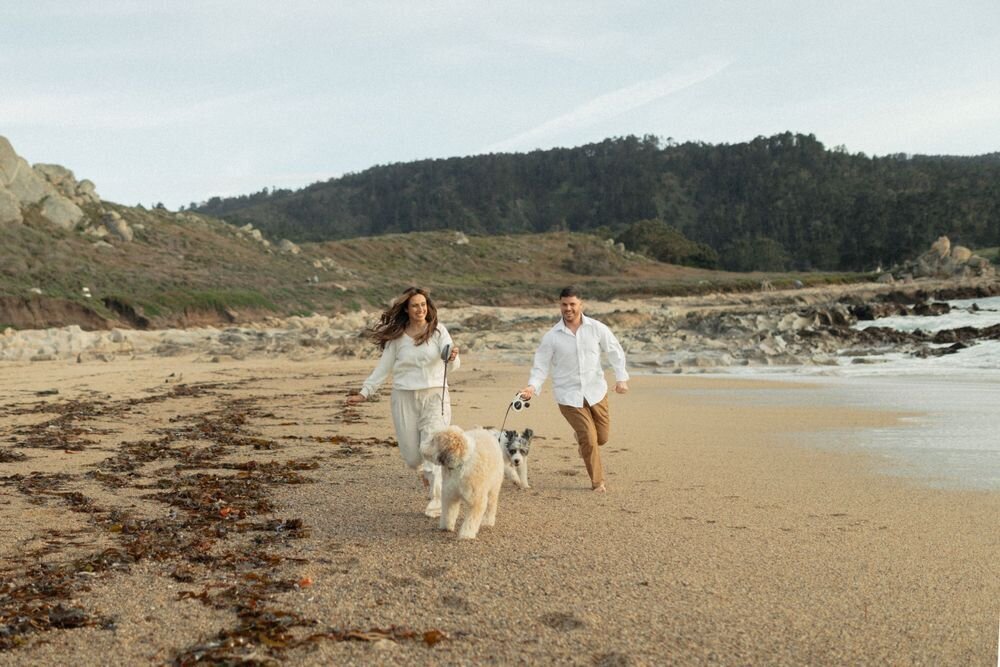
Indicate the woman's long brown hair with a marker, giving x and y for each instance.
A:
(392, 323)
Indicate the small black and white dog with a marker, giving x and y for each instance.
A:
(515, 448)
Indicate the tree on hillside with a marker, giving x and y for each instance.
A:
(758, 253)
(660, 241)
(783, 200)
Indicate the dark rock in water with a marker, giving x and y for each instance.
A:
(980, 291)
(875, 335)
(875, 311)
(932, 309)
(941, 351)
(955, 335)
(906, 297)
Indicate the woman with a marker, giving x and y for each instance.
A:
(412, 342)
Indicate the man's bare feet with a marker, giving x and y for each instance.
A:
(600, 488)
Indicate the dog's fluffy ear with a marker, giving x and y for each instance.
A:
(527, 434)
(432, 447)
(449, 445)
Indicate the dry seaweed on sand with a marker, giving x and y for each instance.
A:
(216, 535)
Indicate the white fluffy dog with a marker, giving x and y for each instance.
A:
(472, 471)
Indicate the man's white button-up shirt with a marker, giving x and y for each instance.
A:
(574, 361)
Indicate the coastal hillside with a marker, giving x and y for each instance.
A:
(778, 203)
(69, 257)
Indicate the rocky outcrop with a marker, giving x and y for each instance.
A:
(286, 247)
(62, 179)
(295, 338)
(794, 328)
(50, 187)
(115, 224)
(944, 260)
(254, 234)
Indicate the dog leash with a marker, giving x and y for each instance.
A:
(445, 353)
(516, 404)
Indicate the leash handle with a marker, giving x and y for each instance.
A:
(517, 404)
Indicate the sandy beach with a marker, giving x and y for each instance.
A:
(176, 511)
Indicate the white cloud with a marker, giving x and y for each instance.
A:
(613, 104)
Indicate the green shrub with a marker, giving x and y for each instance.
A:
(592, 259)
(660, 241)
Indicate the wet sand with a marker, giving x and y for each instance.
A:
(725, 537)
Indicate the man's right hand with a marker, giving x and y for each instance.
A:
(527, 393)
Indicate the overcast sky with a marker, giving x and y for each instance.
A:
(177, 101)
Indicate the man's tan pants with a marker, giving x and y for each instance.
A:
(591, 424)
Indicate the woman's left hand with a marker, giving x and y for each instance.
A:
(454, 353)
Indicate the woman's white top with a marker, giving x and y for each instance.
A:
(412, 366)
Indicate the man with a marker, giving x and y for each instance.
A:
(571, 350)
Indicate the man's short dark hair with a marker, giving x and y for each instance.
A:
(572, 290)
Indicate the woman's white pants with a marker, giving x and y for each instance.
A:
(417, 415)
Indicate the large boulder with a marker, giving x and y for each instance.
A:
(960, 254)
(287, 247)
(61, 211)
(19, 180)
(115, 224)
(978, 262)
(8, 162)
(10, 208)
(87, 191)
(27, 186)
(60, 177)
(941, 248)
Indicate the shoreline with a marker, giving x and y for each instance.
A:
(724, 538)
(944, 433)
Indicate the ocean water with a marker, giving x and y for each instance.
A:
(953, 439)
(978, 313)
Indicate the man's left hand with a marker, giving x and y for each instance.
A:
(621, 387)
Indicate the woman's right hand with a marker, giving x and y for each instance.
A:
(354, 399)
